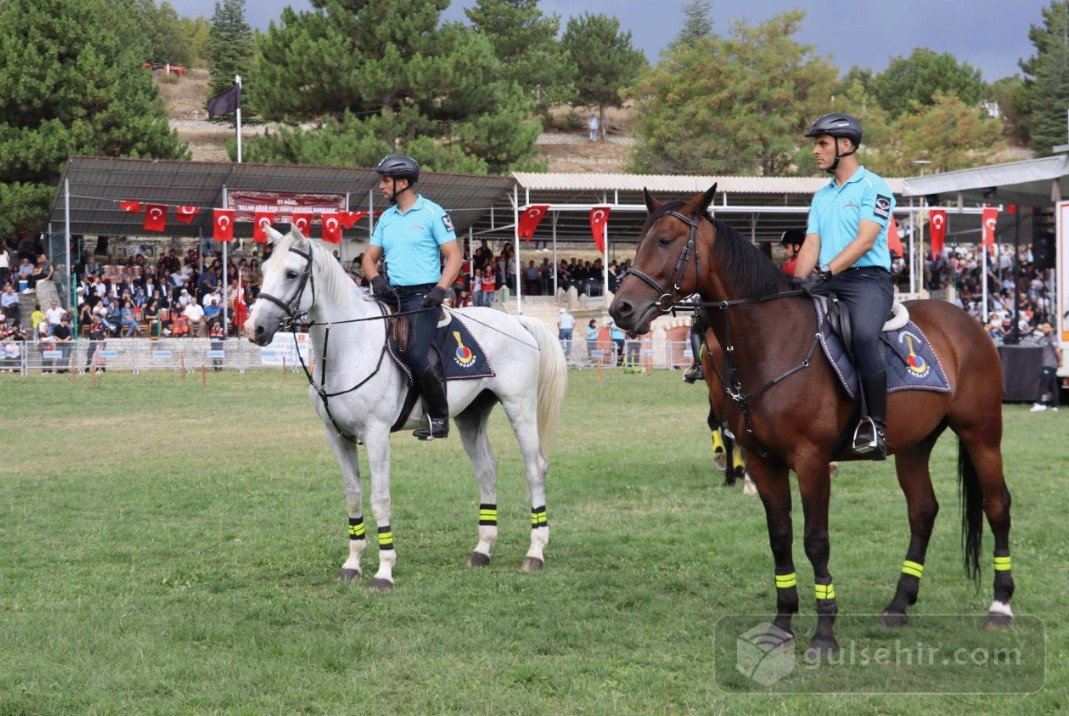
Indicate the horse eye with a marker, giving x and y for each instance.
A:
(291, 275)
(664, 241)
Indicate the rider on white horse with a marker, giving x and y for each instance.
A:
(414, 234)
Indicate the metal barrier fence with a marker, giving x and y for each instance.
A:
(136, 355)
(190, 354)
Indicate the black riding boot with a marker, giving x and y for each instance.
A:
(437, 403)
(870, 439)
(694, 373)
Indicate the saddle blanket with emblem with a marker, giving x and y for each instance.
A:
(462, 358)
(908, 357)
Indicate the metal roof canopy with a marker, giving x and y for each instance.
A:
(98, 184)
(1034, 182)
(760, 208)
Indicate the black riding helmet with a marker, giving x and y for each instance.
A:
(792, 237)
(398, 166)
(838, 125)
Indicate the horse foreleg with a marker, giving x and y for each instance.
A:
(378, 453)
(349, 462)
(916, 483)
(773, 485)
(473, 434)
(525, 424)
(814, 484)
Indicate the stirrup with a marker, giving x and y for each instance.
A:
(874, 447)
(435, 428)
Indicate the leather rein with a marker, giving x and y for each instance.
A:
(731, 383)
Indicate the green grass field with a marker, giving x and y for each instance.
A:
(166, 548)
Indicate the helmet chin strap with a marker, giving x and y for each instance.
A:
(394, 193)
(835, 164)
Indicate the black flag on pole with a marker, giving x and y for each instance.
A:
(225, 102)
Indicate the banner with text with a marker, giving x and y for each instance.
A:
(283, 205)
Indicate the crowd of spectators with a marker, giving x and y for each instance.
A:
(960, 268)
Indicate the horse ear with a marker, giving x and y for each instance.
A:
(273, 236)
(652, 204)
(296, 233)
(699, 204)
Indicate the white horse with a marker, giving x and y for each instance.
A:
(348, 335)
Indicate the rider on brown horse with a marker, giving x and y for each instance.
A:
(846, 242)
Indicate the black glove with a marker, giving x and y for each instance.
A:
(434, 297)
(812, 284)
(382, 289)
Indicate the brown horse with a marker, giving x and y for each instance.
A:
(790, 413)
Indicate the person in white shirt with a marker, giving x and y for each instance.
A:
(565, 326)
(195, 315)
(184, 299)
(54, 315)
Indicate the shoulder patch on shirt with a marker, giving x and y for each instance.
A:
(883, 206)
(448, 222)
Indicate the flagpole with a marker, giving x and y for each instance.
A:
(237, 79)
(226, 319)
(516, 241)
(605, 263)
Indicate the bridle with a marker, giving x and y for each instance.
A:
(666, 301)
(290, 306)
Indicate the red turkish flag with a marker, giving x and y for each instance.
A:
(134, 207)
(530, 219)
(989, 220)
(348, 218)
(937, 220)
(894, 242)
(155, 217)
(332, 228)
(185, 214)
(599, 217)
(303, 222)
(223, 225)
(260, 221)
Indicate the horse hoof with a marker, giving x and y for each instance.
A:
(380, 585)
(349, 575)
(820, 646)
(720, 460)
(478, 559)
(997, 621)
(833, 469)
(532, 564)
(890, 619)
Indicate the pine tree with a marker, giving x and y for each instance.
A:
(605, 61)
(696, 23)
(525, 42)
(1049, 76)
(382, 76)
(71, 85)
(230, 47)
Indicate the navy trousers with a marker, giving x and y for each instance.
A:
(867, 293)
(424, 326)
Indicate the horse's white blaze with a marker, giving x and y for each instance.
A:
(998, 607)
(530, 384)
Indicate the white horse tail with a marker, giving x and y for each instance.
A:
(552, 381)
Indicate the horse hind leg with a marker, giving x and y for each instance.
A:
(984, 489)
(524, 419)
(472, 426)
(922, 507)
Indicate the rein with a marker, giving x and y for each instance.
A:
(731, 383)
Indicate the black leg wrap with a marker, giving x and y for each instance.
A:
(538, 517)
(488, 514)
(356, 528)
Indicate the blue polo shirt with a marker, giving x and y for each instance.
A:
(836, 213)
(410, 242)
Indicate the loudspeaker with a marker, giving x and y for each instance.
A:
(102, 246)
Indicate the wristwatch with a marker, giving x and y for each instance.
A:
(824, 272)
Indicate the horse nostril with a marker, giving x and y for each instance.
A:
(259, 330)
(624, 308)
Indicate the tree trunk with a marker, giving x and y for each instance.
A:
(601, 121)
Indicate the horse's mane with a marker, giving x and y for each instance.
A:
(331, 278)
(749, 272)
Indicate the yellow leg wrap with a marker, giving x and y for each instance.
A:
(915, 569)
(736, 459)
(825, 591)
(1002, 564)
(718, 441)
(786, 581)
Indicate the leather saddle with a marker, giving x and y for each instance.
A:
(838, 317)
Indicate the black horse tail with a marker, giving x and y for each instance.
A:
(972, 513)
